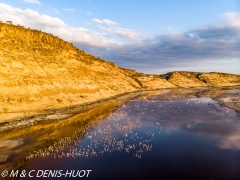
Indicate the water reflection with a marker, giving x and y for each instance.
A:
(195, 128)
(37, 137)
(187, 133)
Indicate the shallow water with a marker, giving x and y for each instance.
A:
(155, 136)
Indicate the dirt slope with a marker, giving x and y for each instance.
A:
(39, 71)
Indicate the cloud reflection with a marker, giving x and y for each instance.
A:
(198, 116)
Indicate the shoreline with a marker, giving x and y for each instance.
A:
(69, 111)
(40, 125)
(65, 112)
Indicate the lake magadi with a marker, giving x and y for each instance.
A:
(168, 134)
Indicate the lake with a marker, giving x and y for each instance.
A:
(184, 133)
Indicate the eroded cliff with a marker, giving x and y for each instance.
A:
(39, 71)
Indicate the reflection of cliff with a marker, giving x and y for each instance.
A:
(45, 134)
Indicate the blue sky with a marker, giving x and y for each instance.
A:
(155, 36)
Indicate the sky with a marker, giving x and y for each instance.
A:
(153, 37)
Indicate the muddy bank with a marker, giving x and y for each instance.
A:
(227, 96)
(63, 113)
(6, 145)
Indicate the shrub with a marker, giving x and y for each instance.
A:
(9, 22)
(5, 110)
(60, 100)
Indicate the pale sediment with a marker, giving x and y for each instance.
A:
(231, 102)
(7, 145)
(3, 158)
(66, 112)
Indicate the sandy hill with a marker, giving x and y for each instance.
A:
(193, 79)
(39, 71)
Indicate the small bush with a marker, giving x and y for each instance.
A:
(5, 110)
(59, 100)
(83, 96)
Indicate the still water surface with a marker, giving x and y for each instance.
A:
(151, 138)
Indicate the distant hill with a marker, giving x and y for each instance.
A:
(39, 71)
(193, 79)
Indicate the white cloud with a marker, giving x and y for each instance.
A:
(232, 18)
(89, 13)
(69, 9)
(56, 11)
(172, 31)
(32, 1)
(104, 28)
(115, 30)
(127, 33)
(80, 36)
(104, 22)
